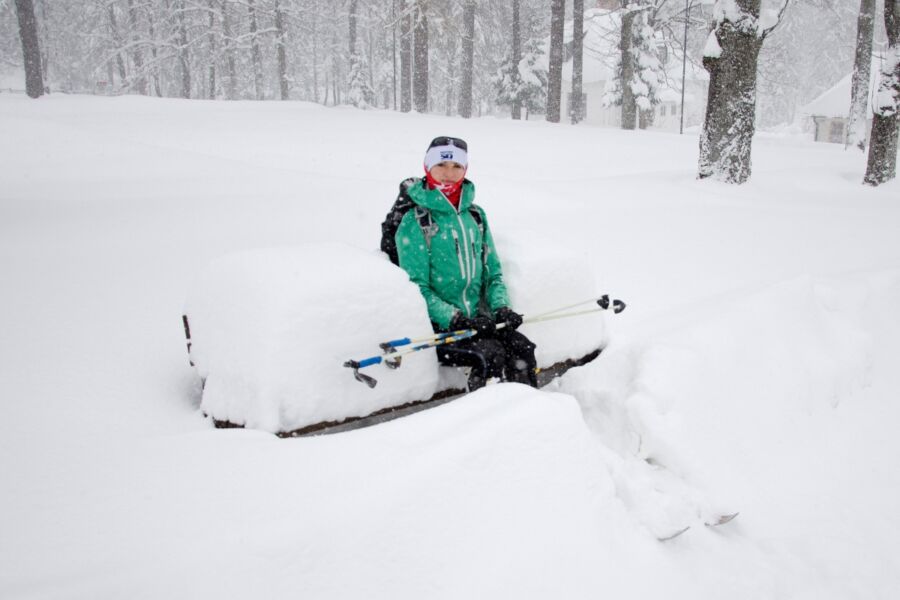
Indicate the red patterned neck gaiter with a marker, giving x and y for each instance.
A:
(453, 191)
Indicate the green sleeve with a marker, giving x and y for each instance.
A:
(414, 258)
(495, 293)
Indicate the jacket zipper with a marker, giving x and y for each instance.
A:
(463, 264)
(474, 253)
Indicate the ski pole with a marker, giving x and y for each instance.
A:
(392, 358)
(603, 302)
(604, 298)
(387, 346)
(617, 307)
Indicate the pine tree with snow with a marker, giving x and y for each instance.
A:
(639, 70)
(524, 83)
(360, 93)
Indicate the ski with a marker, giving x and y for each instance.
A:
(717, 521)
(672, 536)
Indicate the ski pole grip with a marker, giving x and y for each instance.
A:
(368, 362)
(392, 343)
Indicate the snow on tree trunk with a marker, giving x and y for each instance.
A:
(882, 163)
(420, 59)
(576, 110)
(140, 83)
(406, 59)
(554, 91)
(626, 69)
(730, 57)
(117, 42)
(31, 50)
(468, 60)
(865, 28)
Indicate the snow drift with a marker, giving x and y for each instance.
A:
(271, 329)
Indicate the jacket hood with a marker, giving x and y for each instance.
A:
(435, 201)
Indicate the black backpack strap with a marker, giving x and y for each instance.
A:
(476, 214)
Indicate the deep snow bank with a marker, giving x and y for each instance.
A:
(271, 329)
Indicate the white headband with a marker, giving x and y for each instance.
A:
(439, 154)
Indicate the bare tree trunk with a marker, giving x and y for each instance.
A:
(351, 25)
(576, 110)
(516, 56)
(626, 48)
(213, 51)
(468, 59)
(183, 56)
(554, 87)
(281, 54)
(882, 163)
(420, 59)
(729, 126)
(43, 35)
(230, 61)
(394, 52)
(117, 42)
(255, 51)
(140, 82)
(406, 59)
(315, 53)
(31, 50)
(157, 88)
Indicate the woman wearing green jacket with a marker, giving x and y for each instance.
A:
(445, 245)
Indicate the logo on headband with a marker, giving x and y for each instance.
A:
(446, 155)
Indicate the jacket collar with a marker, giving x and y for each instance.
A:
(435, 201)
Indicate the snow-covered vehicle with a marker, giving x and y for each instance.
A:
(270, 330)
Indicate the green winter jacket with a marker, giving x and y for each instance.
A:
(458, 269)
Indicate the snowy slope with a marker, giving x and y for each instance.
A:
(754, 370)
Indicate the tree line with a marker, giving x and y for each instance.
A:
(467, 57)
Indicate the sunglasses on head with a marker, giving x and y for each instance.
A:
(445, 140)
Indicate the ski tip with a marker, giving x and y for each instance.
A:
(722, 519)
(674, 535)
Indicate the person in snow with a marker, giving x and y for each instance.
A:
(446, 247)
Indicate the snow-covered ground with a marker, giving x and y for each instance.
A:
(755, 369)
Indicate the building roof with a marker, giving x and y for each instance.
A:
(835, 102)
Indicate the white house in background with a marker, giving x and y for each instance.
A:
(828, 115)
(601, 51)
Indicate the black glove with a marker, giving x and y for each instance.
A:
(507, 315)
(480, 323)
